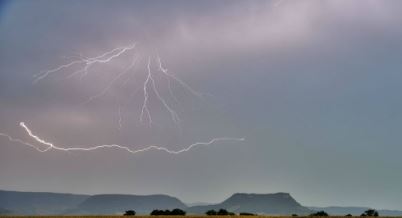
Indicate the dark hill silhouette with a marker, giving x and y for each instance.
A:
(117, 204)
(41, 203)
(275, 204)
(44, 203)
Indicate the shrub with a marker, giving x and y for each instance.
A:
(222, 212)
(370, 212)
(177, 212)
(246, 214)
(129, 213)
(211, 212)
(319, 213)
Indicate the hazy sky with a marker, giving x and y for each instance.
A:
(314, 87)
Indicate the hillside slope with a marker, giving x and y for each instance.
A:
(43, 203)
(274, 204)
(117, 204)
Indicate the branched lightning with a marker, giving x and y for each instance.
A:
(171, 76)
(82, 66)
(117, 77)
(144, 108)
(173, 114)
(149, 84)
(11, 139)
(87, 62)
(51, 146)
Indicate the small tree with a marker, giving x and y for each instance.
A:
(370, 212)
(157, 212)
(211, 212)
(319, 213)
(129, 213)
(222, 212)
(294, 215)
(178, 212)
(348, 215)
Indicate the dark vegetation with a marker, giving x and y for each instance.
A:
(175, 212)
(246, 214)
(319, 213)
(220, 212)
(129, 213)
(370, 212)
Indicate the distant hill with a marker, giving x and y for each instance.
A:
(43, 203)
(117, 204)
(354, 211)
(274, 204)
(31, 203)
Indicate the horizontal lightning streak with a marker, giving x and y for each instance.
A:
(147, 148)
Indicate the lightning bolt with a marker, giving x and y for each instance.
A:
(87, 62)
(171, 76)
(149, 85)
(173, 114)
(11, 139)
(51, 146)
(109, 86)
(144, 108)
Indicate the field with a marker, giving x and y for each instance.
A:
(189, 216)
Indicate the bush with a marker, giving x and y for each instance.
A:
(319, 213)
(129, 213)
(159, 212)
(246, 214)
(222, 212)
(295, 214)
(176, 212)
(211, 212)
(348, 214)
(370, 212)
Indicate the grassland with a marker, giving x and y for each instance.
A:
(164, 216)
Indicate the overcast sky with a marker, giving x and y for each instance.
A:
(314, 87)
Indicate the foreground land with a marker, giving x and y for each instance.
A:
(188, 216)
